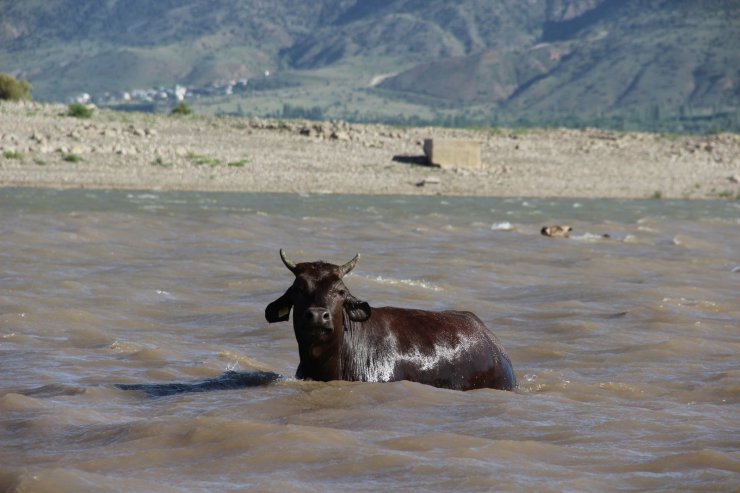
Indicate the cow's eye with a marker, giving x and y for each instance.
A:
(342, 292)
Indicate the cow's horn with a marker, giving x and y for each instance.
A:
(288, 263)
(347, 268)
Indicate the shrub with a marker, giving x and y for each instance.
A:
(238, 164)
(725, 194)
(200, 160)
(79, 110)
(182, 109)
(14, 90)
(72, 158)
(9, 154)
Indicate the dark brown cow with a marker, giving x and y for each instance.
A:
(342, 338)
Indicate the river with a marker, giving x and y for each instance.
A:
(625, 347)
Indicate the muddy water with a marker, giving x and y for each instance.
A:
(626, 348)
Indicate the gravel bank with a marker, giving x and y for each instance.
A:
(40, 147)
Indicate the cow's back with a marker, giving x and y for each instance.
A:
(445, 349)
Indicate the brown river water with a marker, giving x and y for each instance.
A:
(625, 348)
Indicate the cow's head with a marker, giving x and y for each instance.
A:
(320, 302)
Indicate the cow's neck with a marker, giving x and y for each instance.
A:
(320, 362)
(361, 352)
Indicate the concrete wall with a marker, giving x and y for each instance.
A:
(452, 153)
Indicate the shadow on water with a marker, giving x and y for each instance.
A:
(228, 381)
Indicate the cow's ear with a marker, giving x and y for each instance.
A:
(358, 311)
(279, 310)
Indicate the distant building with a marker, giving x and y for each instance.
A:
(82, 98)
(180, 92)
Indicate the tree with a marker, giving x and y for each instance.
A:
(14, 90)
(182, 109)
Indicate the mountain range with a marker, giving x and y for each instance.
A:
(483, 62)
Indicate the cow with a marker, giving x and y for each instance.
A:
(556, 231)
(343, 338)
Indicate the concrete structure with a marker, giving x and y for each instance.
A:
(450, 153)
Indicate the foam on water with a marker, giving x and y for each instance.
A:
(406, 282)
(504, 226)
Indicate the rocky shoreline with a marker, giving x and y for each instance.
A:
(42, 147)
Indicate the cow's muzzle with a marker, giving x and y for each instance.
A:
(318, 318)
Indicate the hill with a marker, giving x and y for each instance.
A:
(640, 58)
(661, 64)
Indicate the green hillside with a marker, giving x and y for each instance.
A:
(659, 64)
(69, 46)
